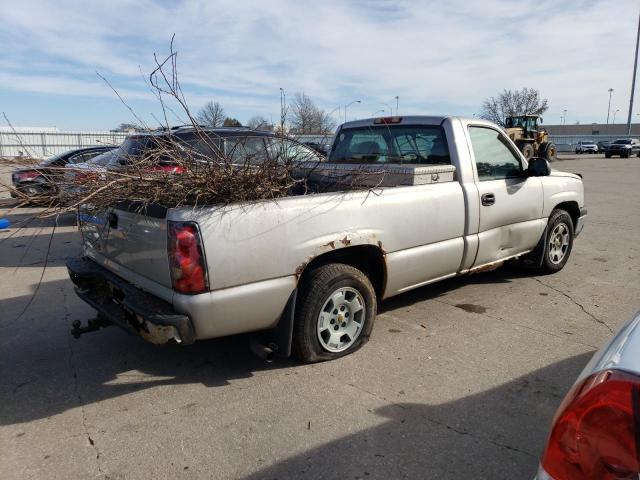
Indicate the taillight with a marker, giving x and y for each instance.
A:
(186, 258)
(28, 175)
(596, 430)
(167, 168)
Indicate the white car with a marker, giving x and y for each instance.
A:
(586, 146)
(596, 430)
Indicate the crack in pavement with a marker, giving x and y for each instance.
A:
(74, 371)
(578, 304)
(459, 431)
(527, 327)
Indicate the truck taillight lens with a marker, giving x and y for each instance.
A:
(596, 430)
(186, 258)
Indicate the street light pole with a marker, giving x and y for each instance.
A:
(564, 117)
(609, 108)
(345, 108)
(397, 103)
(614, 115)
(633, 83)
(377, 112)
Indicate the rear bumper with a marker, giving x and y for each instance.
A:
(580, 223)
(127, 306)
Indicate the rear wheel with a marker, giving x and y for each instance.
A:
(335, 313)
(527, 151)
(558, 242)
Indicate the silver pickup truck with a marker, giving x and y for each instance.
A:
(308, 271)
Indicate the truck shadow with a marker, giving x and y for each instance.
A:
(43, 367)
(497, 433)
(45, 371)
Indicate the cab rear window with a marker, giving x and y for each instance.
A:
(395, 144)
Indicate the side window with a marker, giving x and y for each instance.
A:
(494, 158)
(77, 158)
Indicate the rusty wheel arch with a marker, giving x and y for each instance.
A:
(370, 259)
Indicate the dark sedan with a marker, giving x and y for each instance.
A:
(40, 180)
(624, 147)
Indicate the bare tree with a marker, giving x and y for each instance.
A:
(231, 122)
(211, 115)
(513, 102)
(258, 122)
(307, 118)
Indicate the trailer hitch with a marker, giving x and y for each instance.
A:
(93, 324)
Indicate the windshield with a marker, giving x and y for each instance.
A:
(419, 144)
(622, 142)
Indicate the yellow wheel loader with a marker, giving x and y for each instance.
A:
(532, 140)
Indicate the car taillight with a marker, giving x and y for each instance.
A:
(186, 258)
(167, 168)
(28, 176)
(596, 430)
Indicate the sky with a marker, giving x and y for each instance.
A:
(438, 57)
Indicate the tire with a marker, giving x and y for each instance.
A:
(549, 151)
(607, 155)
(527, 151)
(557, 250)
(319, 318)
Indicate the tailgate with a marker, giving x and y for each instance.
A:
(133, 238)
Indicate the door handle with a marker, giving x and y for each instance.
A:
(488, 199)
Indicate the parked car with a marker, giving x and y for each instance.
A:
(624, 147)
(586, 146)
(233, 142)
(43, 179)
(318, 147)
(602, 146)
(307, 271)
(596, 430)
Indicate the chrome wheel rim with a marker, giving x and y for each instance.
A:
(558, 243)
(341, 320)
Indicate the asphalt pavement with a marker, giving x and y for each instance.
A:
(460, 379)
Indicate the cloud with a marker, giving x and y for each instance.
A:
(439, 57)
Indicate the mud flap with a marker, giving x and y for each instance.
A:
(277, 341)
(534, 258)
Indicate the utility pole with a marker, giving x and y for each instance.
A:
(609, 108)
(633, 83)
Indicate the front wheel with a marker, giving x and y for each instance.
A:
(558, 242)
(335, 313)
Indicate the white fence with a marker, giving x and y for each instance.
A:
(40, 144)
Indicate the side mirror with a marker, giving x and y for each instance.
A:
(538, 167)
